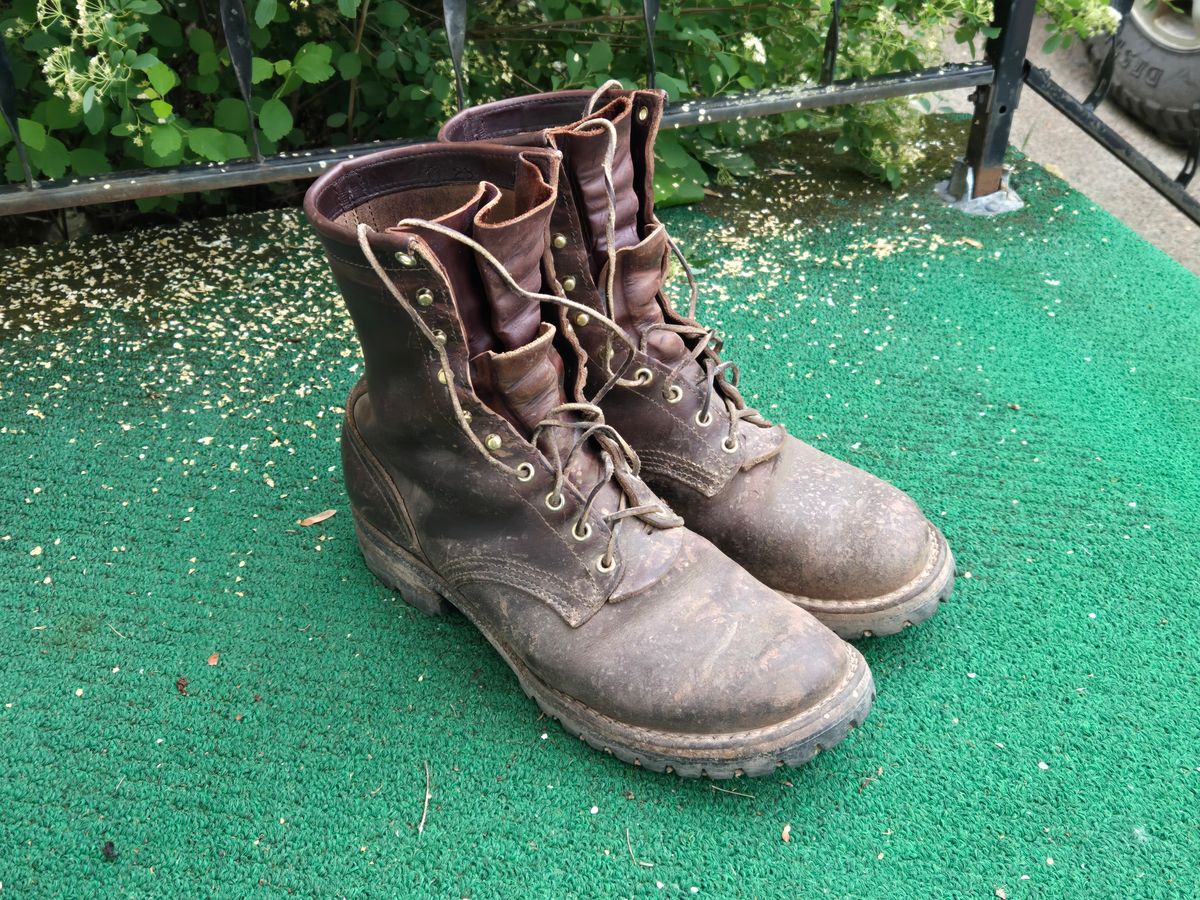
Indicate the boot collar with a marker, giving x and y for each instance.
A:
(526, 120)
(359, 190)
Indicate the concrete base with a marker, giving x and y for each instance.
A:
(956, 192)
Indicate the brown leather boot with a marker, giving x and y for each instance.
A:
(840, 543)
(475, 483)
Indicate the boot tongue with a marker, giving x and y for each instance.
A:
(458, 262)
(516, 235)
(524, 385)
(514, 227)
(639, 274)
(641, 263)
(585, 144)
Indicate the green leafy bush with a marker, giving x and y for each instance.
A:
(117, 84)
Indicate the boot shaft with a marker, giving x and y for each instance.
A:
(436, 250)
(489, 193)
(614, 257)
(610, 251)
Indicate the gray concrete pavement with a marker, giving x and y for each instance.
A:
(1049, 139)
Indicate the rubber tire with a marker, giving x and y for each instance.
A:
(1155, 84)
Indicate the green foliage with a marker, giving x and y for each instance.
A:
(118, 84)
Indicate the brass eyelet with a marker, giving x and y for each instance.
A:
(525, 472)
(550, 501)
(492, 442)
(643, 114)
(425, 297)
(729, 446)
(568, 283)
(406, 259)
(643, 376)
(582, 319)
(601, 567)
(439, 336)
(673, 394)
(441, 376)
(703, 420)
(559, 241)
(581, 535)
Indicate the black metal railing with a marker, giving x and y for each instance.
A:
(997, 83)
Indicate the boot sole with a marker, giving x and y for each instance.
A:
(760, 751)
(894, 612)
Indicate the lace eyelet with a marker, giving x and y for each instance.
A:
(643, 376)
(729, 446)
(555, 501)
(525, 472)
(703, 420)
(581, 534)
(601, 567)
(673, 394)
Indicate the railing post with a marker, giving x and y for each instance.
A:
(650, 18)
(237, 38)
(832, 38)
(1191, 160)
(1104, 79)
(995, 103)
(8, 110)
(454, 15)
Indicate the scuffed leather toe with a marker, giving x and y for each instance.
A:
(854, 535)
(812, 526)
(710, 650)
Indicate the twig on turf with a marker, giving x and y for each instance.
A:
(728, 791)
(425, 809)
(117, 633)
(640, 862)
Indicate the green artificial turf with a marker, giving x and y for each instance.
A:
(169, 408)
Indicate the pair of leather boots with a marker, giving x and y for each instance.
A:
(544, 443)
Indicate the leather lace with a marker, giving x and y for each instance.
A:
(583, 431)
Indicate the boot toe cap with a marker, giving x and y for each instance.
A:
(714, 651)
(825, 530)
(876, 542)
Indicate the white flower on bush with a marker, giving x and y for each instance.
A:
(754, 46)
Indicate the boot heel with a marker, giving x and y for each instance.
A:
(398, 569)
